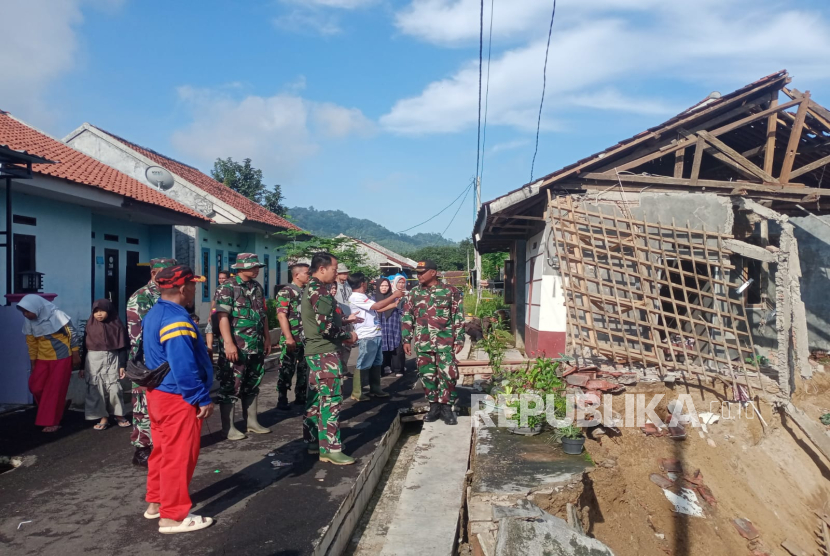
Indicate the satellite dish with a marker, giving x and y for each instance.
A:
(159, 177)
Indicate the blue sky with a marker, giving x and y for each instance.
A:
(370, 106)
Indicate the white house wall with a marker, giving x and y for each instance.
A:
(546, 314)
(119, 156)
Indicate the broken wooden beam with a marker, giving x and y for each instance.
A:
(795, 138)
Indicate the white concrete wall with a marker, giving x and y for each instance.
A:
(551, 315)
(122, 160)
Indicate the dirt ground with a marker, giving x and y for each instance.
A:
(775, 479)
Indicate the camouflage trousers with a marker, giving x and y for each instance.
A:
(439, 373)
(291, 362)
(322, 408)
(240, 379)
(140, 437)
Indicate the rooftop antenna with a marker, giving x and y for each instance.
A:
(159, 177)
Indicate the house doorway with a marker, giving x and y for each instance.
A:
(111, 276)
(136, 276)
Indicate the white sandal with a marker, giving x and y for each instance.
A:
(148, 515)
(190, 523)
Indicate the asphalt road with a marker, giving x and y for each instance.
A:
(78, 493)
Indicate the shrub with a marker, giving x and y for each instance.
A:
(271, 311)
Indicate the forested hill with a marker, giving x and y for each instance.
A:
(331, 223)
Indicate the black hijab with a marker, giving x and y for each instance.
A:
(108, 335)
(381, 296)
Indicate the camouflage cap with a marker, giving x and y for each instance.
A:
(178, 275)
(246, 261)
(162, 262)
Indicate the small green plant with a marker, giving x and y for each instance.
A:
(488, 306)
(757, 361)
(825, 419)
(572, 432)
(494, 346)
(271, 312)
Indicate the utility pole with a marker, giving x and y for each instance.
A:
(478, 255)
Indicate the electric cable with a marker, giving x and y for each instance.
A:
(458, 209)
(486, 92)
(466, 189)
(544, 83)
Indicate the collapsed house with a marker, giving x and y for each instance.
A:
(698, 246)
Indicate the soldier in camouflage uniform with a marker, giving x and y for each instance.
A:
(323, 326)
(138, 306)
(433, 321)
(243, 324)
(292, 349)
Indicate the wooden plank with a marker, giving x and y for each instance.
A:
(678, 163)
(789, 189)
(701, 144)
(736, 156)
(810, 167)
(795, 138)
(755, 117)
(772, 127)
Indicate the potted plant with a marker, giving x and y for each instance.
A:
(573, 441)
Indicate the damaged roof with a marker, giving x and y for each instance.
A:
(743, 143)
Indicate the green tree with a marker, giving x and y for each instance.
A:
(447, 257)
(299, 246)
(247, 180)
(491, 263)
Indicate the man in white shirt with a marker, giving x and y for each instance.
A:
(370, 358)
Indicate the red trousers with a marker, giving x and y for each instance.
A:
(176, 440)
(48, 383)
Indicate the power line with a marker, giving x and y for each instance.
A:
(458, 209)
(480, 64)
(466, 189)
(544, 83)
(487, 92)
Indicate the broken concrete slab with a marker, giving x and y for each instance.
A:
(522, 508)
(514, 465)
(553, 536)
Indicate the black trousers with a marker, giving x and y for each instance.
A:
(395, 359)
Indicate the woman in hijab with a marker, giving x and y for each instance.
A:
(390, 327)
(53, 350)
(105, 357)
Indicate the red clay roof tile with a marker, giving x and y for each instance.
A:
(77, 167)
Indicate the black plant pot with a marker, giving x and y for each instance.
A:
(573, 446)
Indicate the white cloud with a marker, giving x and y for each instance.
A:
(602, 56)
(508, 146)
(338, 121)
(39, 47)
(316, 17)
(278, 133)
(308, 21)
(343, 4)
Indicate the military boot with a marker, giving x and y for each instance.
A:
(228, 428)
(141, 455)
(337, 458)
(357, 388)
(282, 401)
(249, 413)
(448, 415)
(434, 412)
(375, 390)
